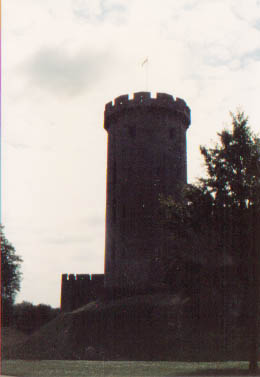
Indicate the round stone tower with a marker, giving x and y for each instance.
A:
(146, 157)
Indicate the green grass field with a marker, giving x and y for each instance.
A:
(121, 368)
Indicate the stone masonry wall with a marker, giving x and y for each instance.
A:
(78, 290)
(146, 157)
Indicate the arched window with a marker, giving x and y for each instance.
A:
(132, 131)
(114, 211)
(123, 212)
(172, 133)
(113, 254)
(114, 172)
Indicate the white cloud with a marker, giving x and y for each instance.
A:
(61, 64)
(64, 74)
(100, 11)
(248, 12)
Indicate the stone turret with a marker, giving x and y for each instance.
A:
(146, 157)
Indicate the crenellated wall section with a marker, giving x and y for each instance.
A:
(162, 102)
(78, 290)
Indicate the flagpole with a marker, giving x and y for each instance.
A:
(146, 84)
(145, 62)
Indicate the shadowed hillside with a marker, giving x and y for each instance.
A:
(11, 336)
(151, 327)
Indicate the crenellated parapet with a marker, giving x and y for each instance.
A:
(162, 101)
(75, 277)
(146, 158)
(79, 289)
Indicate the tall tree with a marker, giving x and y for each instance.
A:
(233, 181)
(220, 214)
(233, 177)
(10, 276)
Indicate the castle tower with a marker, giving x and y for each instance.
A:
(146, 157)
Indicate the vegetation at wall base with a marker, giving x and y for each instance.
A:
(215, 231)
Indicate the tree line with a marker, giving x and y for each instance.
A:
(25, 316)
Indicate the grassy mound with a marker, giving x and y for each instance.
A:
(151, 327)
(11, 336)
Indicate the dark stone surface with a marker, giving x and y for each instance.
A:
(146, 157)
(78, 290)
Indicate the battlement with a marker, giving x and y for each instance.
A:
(85, 277)
(79, 289)
(162, 101)
(74, 277)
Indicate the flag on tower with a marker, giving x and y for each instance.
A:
(145, 61)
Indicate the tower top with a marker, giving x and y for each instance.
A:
(162, 101)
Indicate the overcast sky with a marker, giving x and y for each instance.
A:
(63, 60)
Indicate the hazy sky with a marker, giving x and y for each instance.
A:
(63, 60)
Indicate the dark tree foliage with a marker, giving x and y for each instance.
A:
(10, 276)
(28, 318)
(233, 176)
(217, 219)
(233, 182)
(218, 211)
